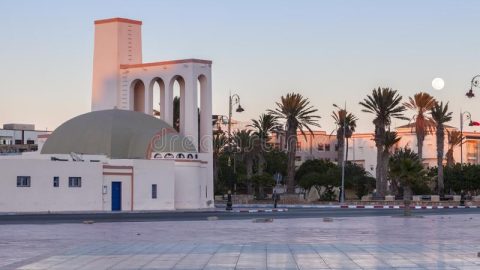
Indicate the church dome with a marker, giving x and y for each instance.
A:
(117, 134)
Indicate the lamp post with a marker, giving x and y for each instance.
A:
(474, 83)
(232, 101)
(469, 117)
(342, 193)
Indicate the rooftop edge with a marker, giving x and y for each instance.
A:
(123, 20)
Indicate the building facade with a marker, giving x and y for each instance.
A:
(119, 157)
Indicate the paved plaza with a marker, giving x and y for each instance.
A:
(431, 242)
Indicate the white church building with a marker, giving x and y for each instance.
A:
(119, 157)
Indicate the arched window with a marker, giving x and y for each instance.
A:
(178, 85)
(157, 92)
(137, 96)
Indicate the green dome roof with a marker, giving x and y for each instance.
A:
(118, 134)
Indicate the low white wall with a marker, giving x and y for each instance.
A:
(42, 195)
(189, 185)
(149, 172)
(208, 178)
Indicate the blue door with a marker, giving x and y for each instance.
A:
(116, 196)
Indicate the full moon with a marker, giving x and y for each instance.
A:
(438, 83)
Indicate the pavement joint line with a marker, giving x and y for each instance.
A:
(139, 251)
(160, 254)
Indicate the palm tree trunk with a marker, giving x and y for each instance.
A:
(261, 163)
(450, 160)
(440, 144)
(340, 144)
(385, 157)
(379, 172)
(292, 151)
(420, 140)
(249, 164)
(407, 198)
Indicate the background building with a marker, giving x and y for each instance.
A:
(18, 138)
(362, 149)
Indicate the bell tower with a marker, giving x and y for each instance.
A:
(118, 42)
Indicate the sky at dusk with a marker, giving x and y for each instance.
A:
(329, 51)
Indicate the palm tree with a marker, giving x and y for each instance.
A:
(176, 113)
(391, 139)
(440, 115)
(219, 143)
(244, 146)
(265, 124)
(421, 103)
(406, 167)
(263, 127)
(341, 118)
(298, 115)
(454, 138)
(384, 103)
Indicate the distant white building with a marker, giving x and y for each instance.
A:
(120, 157)
(362, 149)
(18, 138)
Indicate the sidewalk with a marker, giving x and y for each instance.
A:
(368, 243)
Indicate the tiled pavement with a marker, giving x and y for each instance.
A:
(433, 242)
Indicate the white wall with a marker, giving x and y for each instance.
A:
(148, 172)
(41, 195)
(189, 185)
(117, 42)
(208, 178)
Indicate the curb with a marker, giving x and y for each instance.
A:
(402, 206)
(258, 210)
(285, 207)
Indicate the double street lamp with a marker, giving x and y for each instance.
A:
(474, 83)
(232, 101)
(342, 188)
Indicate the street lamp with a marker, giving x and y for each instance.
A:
(342, 193)
(232, 101)
(474, 83)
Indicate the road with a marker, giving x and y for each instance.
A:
(220, 214)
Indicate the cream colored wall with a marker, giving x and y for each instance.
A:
(190, 185)
(41, 195)
(148, 172)
(116, 43)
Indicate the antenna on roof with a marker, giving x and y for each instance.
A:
(75, 156)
